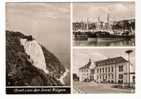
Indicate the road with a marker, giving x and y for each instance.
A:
(92, 87)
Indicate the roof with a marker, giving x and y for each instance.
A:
(110, 61)
(86, 66)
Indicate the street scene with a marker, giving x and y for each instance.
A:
(92, 87)
(104, 70)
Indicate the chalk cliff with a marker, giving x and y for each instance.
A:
(28, 63)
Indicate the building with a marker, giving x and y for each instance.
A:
(124, 26)
(112, 70)
(85, 72)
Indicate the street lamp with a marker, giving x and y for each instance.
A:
(129, 52)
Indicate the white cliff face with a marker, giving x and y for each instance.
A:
(61, 79)
(34, 50)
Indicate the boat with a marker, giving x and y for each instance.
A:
(105, 36)
(80, 36)
(103, 33)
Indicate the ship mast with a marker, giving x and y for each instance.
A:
(98, 19)
(108, 24)
(108, 18)
(87, 25)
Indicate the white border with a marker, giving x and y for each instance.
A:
(86, 96)
(2, 47)
(64, 0)
(71, 14)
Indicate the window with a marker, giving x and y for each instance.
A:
(106, 70)
(112, 76)
(97, 77)
(133, 78)
(120, 68)
(109, 69)
(106, 76)
(97, 70)
(109, 76)
(120, 81)
(112, 69)
(100, 70)
(103, 70)
(120, 76)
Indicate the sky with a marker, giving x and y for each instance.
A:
(82, 56)
(48, 23)
(117, 11)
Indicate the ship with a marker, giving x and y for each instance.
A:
(103, 33)
(79, 35)
(106, 36)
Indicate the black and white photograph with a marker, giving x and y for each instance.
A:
(103, 24)
(99, 70)
(70, 49)
(37, 48)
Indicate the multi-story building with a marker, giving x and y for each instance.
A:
(112, 70)
(85, 72)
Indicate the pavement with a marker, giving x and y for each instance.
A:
(92, 87)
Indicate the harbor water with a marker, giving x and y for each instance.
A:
(112, 43)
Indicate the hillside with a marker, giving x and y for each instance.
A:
(20, 71)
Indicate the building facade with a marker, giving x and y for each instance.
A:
(111, 70)
(85, 72)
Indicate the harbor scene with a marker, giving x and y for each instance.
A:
(104, 25)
